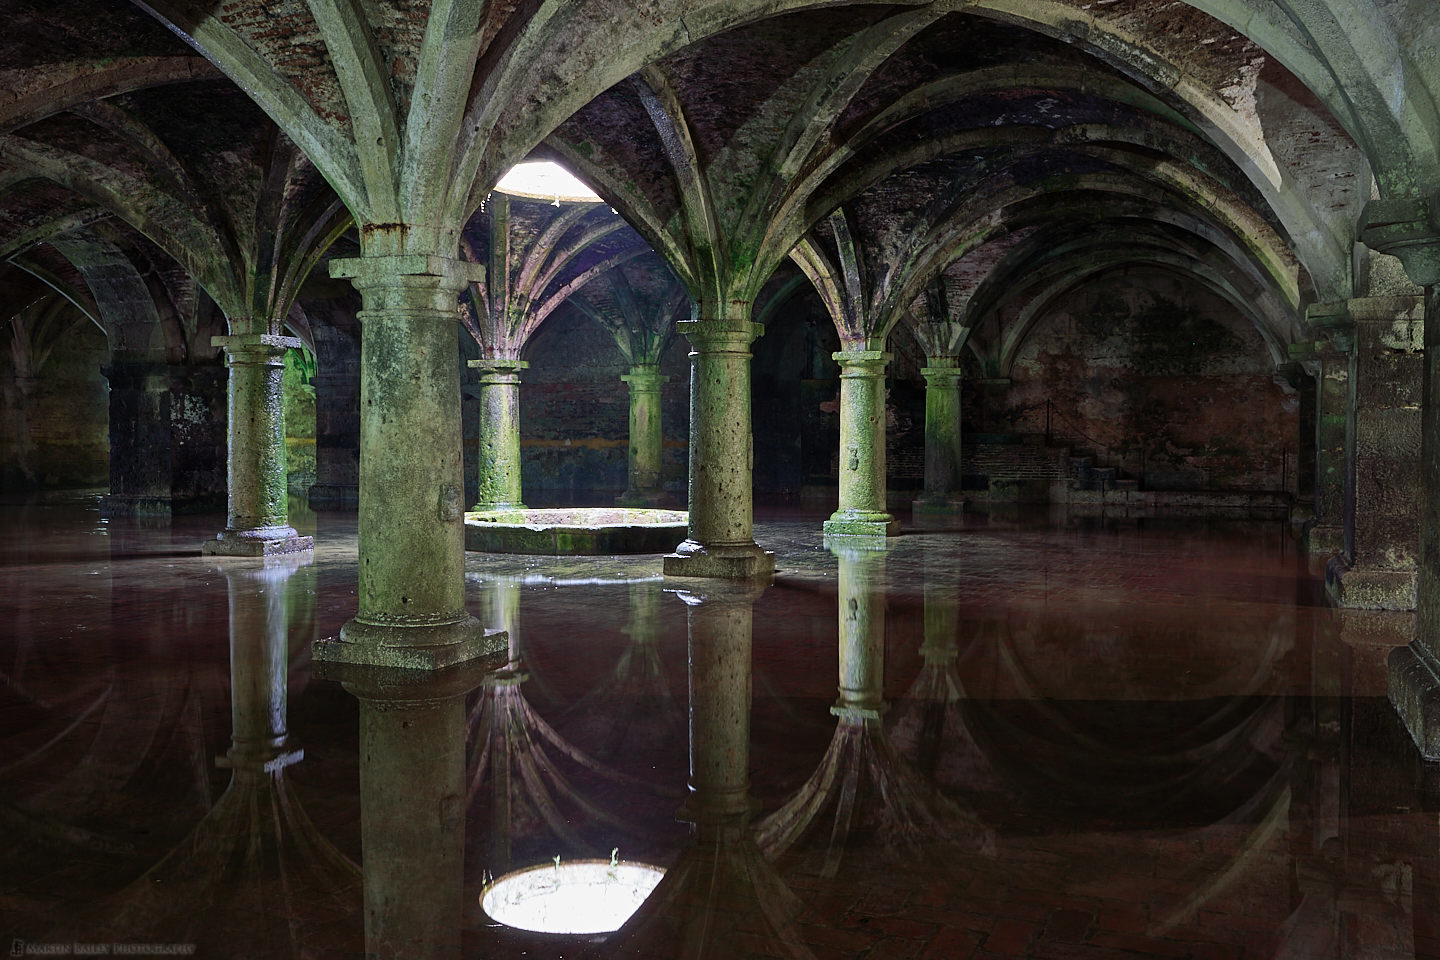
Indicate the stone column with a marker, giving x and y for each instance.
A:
(646, 461)
(257, 516)
(1334, 432)
(861, 511)
(412, 536)
(861, 599)
(942, 438)
(499, 455)
(1383, 546)
(721, 540)
(140, 473)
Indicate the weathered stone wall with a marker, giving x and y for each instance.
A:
(1161, 378)
(575, 414)
(67, 417)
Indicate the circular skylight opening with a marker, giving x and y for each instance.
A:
(543, 180)
(578, 896)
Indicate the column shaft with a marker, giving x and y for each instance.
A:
(412, 536)
(721, 528)
(942, 437)
(861, 510)
(499, 455)
(646, 457)
(257, 520)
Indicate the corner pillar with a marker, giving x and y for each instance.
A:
(499, 461)
(1409, 228)
(721, 540)
(645, 466)
(861, 510)
(257, 522)
(942, 438)
(411, 593)
(1383, 529)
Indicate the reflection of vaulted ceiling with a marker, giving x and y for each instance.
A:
(1000, 149)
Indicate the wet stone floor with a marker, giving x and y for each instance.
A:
(1013, 736)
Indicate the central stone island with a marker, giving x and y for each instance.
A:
(575, 531)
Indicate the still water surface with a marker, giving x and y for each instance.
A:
(1024, 736)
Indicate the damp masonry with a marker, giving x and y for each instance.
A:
(1128, 255)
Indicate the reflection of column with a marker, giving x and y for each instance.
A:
(412, 538)
(499, 460)
(942, 437)
(721, 890)
(412, 804)
(861, 598)
(254, 878)
(863, 792)
(257, 521)
(721, 539)
(643, 482)
(861, 510)
(720, 635)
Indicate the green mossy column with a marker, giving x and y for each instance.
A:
(257, 520)
(861, 599)
(861, 510)
(942, 438)
(412, 538)
(499, 459)
(643, 478)
(721, 540)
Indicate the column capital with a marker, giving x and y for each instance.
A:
(379, 271)
(715, 334)
(255, 347)
(861, 362)
(941, 376)
(498, 366)
(1407, 228)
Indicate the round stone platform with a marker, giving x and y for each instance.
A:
(576, 531)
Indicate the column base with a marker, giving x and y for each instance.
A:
(1324, 540)
(123, 506)
(334, 496)
(746, 561)
(861, 523)
(1415, 694)
(264, 542)
(1362, 588)
(644, 498)
(937, 507)
(421, 646)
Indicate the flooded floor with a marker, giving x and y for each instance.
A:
(1024, 736)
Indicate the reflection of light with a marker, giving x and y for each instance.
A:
(579, 896)
(543, 180)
